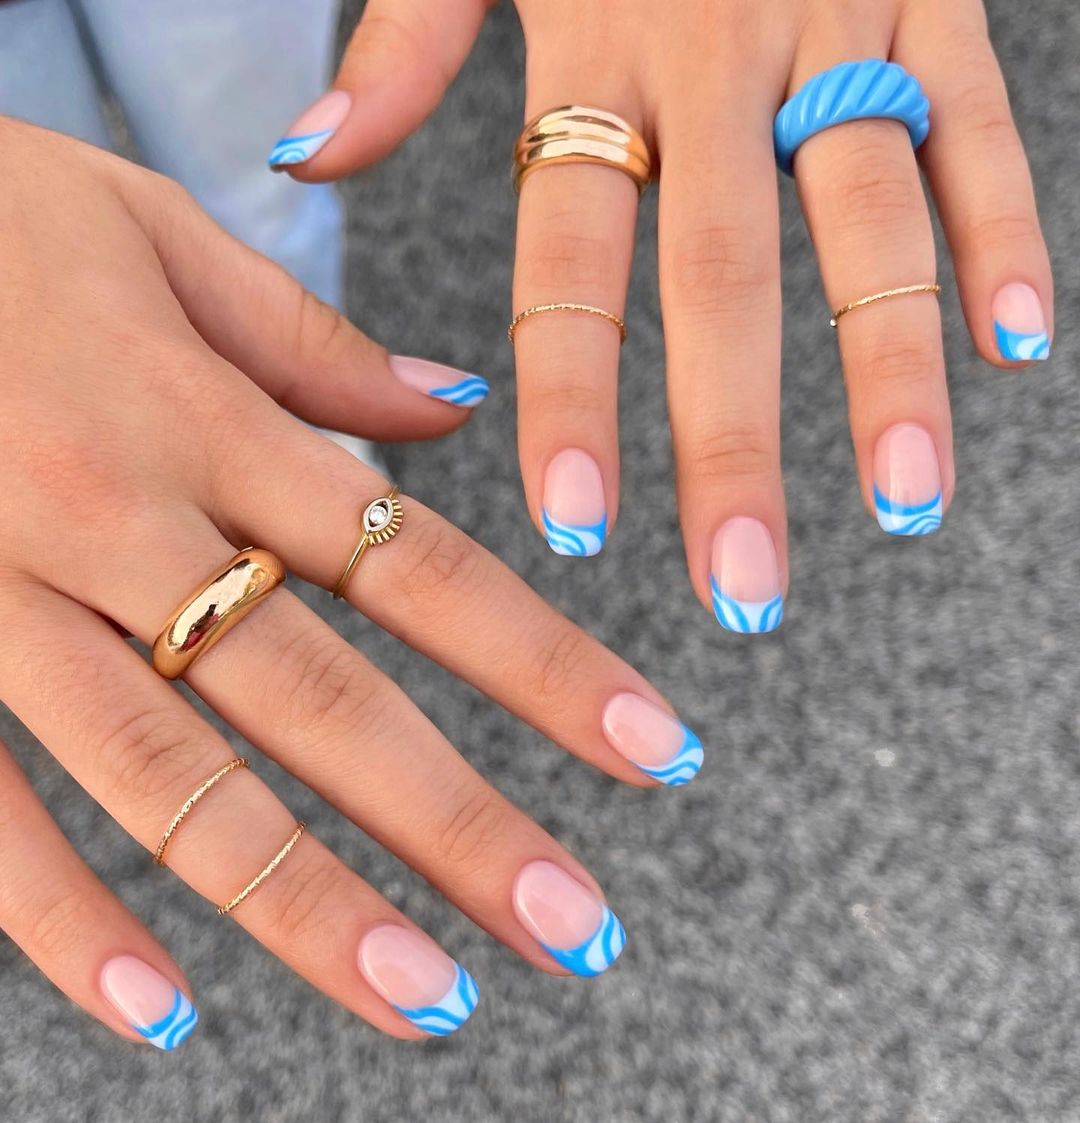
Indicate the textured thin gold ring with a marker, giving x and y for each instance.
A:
(267, 870)
(380, 521)
(217, 605)
(588, 309)
(907, 290)
(189, 803)
(582, 134)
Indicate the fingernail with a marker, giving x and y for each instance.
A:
(658, 743)
(571, 923)
(1020, 325)
(907, 481)
(311, 130)
(148, 1001)
(575, 513)
(438, 381)
(745, 578)
(418, 978)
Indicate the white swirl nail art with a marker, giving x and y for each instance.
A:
(574, 541)
(908, 519)
(683, 766)
(747, 617)
(598, 952)
(297, 149)
(1018, 346)
(174, 1028)
(451, 1012)
(470, 391)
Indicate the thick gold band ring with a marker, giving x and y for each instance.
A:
(221, 602)
(189, 803)
(264, 873)
(380, 521)
(907, 290)
(581, 134)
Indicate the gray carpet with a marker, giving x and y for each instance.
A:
(865, 909)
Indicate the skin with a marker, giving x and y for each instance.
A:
(142, 443)
(702, 81)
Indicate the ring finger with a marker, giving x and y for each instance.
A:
(861, 192)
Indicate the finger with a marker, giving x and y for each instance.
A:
(860, 190)
(575, 241)
(140, 751)
(402, 57)
(77, 932)
(720, 290)
(301, 351)
(980, 178)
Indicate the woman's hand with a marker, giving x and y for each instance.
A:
(702, 80)
(142, 442)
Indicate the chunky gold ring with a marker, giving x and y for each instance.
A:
(381, 520)
(266, 871)
(907, 290)
(217, 605)
(588, 309)
(189, 803)
(581, 134)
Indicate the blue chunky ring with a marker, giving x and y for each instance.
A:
(851, 91)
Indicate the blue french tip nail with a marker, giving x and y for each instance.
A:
(175, 1027)
(748, 618)
(575, 541)
(1022, 347)
(451, 1012)
(598, 952)
(297, 149)
(469, 392)
(908, 520)
(683, 766)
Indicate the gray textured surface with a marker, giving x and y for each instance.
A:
(866, 907)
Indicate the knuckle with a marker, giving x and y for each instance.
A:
(321, 331)
(732, 453)
(475, 830)
(1003, 228)
(872, 189)
(717, 268)
(562, 665)
(307, 898)
(906, 362)
(62, 925)
(150, 756)
(443, 561)
(559, 260)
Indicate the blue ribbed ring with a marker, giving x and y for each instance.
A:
(851, 91)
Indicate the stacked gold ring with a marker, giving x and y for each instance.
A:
(581, 134)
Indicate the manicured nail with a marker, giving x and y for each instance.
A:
(907, 481)
(418, 978)
(437, 381)
(572, 924)
(149, 1002)
(659, 744)
(575, 513)
(1020, 325)
(746, 591)
(311, 130)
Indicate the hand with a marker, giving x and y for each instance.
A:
(702, 80)
(142, 442)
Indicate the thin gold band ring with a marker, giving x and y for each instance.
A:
(907, 290)
(380, 521)
(217, 605)
(266, 871)
(588, 309)
(189, 803)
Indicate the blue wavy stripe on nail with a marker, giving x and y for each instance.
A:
(1022, 347)
(575, 541)
(683, 766)
(451, 1012)
(297, 149)
(908, 520)
(598, 952)
(470, 391)
(748, 618)
(172, 1029)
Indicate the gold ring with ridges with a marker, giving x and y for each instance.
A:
(588, 309)
(189, 803)
(906, 290)
(266, 871)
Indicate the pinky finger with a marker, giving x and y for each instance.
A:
(82, 938)
(979, 175)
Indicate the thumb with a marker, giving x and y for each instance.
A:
(402, 57)
(298, 349)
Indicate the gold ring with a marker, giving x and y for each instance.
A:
(221, 602)
(266, 871)
(582, 134)
(189, 803)
(907, 290)
(588, 309)
(381, 520)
